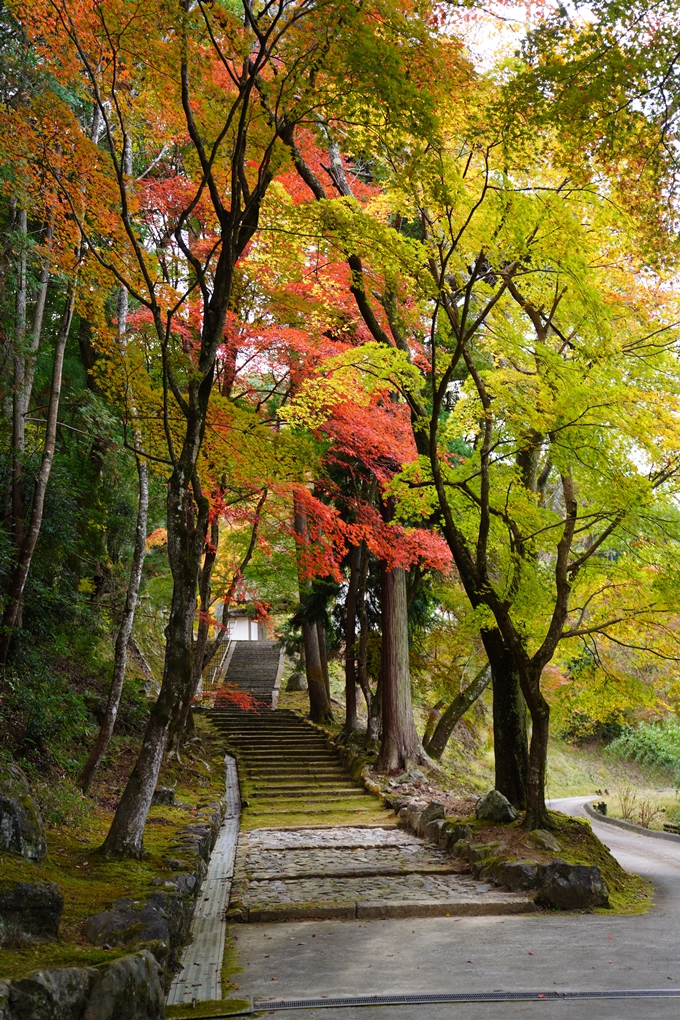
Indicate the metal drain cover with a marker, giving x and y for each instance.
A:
(338, 1001)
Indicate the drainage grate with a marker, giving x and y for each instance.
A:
(424, 998)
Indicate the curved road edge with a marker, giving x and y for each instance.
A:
(629, 826)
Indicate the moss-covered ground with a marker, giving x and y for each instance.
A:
(90, 882)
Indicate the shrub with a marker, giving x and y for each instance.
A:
(650, 744)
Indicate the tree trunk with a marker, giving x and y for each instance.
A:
(537, 816)
(374, 723)
(18, 415)
(124, 632)
(20, 574)
(184, 708)
(362, 616)
(323, 655)
(187, 528)
(350, 641)
(456, 710)
(511, 752)
(320, 709)
(434, 714)
(38, 317)
(400, 745)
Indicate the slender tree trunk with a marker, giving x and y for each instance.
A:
(184, 707)
(38, 318)
(187, 528)
(400, 745)
(320, 709)
(18, 416)
(350, 642)
(436, 744)
(123, 637)
(125, 630)
(511, 753)
(222, 635)
(362, 616)
(138, 654)
(434, 714)
(20, 574)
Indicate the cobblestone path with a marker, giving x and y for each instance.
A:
(315, 845)
(351, 872)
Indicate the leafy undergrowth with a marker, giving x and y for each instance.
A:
(628, 894)
(583, 769)
(655, 744)
(76, 827)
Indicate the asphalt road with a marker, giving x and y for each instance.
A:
(522, 953)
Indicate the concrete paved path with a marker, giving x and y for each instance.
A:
(526, 952)
(200, 976)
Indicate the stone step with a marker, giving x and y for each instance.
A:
(312, 796)
(296, 793)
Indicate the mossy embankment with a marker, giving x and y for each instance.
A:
(90, 882)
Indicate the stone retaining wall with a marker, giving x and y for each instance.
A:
(154, 929)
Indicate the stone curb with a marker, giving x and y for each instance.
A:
(384, 910)
(640, 829)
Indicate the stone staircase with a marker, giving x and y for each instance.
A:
(315, 845)
(290, 775)
(255, 667)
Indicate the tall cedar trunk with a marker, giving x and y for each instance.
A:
(125, 630)
(20, 573)
(456, 710)
(320, 709)
(323, 655)
(319, 705)
(18, 415)
(511, 753)
(537, 813)
(184, 707)
(350, 641)
(400, 745)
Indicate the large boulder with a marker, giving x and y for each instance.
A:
(126, 923)
(29, 912)
(51, 994)
(518, 875)
(572, 886)
(21, 827)
(495, 808)
(129, 989)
